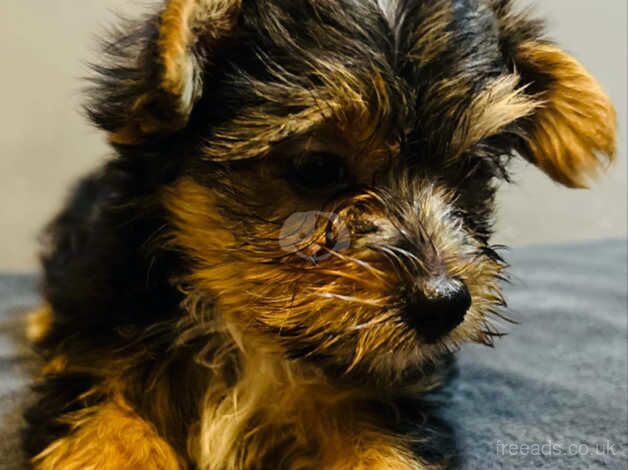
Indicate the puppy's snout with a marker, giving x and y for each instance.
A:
(436, 306)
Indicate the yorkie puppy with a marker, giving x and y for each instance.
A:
(294, 231)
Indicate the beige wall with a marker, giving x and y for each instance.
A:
(46, 144)
(537, 210)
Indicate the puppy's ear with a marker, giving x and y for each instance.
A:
(571, 135)
(156, 69)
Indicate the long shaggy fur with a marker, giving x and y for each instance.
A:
(183, 330)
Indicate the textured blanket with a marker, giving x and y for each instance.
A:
(551, 395)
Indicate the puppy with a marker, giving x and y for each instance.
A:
(294, 230)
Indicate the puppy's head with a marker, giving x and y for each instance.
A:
(337, 161)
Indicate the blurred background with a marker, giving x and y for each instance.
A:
(46, 143)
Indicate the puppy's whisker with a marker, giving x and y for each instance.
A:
(349, 276)
(354, 300)
(408, 255)
(376, 321)
(380, 275)
(397, 262)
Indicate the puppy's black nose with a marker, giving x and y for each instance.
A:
(437, 306)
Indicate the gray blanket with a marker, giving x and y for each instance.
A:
(551, 395)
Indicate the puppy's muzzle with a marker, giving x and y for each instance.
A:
(407, 221)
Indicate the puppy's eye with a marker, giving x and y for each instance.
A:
(319, 171)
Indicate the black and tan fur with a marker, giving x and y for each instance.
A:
(179, 333)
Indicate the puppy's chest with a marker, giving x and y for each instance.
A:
(255, 425)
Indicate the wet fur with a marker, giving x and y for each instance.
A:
(172, 314)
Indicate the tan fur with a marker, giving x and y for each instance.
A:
(317, 425)
(248, 292)
(175, 39)
(56, 365)
(574, 131)
(108, 437)
(185, 24)
(38, 323)
(502, 102)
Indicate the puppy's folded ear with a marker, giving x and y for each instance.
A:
(155, 73)
(571, 134)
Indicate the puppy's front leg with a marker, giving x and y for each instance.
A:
(110, 436)
(382, 455)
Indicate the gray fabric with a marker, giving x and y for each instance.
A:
(17, 295)
(559, 379)
(557, 384)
